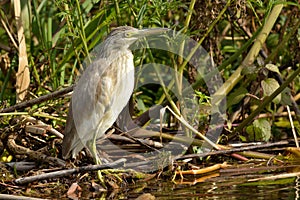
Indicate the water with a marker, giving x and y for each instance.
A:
(221, 188)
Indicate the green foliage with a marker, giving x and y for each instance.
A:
(269, 85)
(236, 96)
(203, 98)
(272, 68)
(260, 130)
(61, 34)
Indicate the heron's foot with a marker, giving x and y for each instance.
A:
(93, 150)
(101, 178)
(115, 173)
(99, 173)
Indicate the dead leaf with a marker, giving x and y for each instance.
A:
(74, 191)
(22, 76)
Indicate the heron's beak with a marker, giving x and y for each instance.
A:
(149, 31)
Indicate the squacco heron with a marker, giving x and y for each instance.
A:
(102, 91)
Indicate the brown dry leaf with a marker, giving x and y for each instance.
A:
(23, 76)
(97, 187)
(74, 191)
(4, 63)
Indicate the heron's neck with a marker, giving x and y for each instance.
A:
(116, 52)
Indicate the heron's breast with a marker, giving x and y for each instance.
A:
(113, 90)
(124, 84)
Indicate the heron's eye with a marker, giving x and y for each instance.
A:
(127, 34)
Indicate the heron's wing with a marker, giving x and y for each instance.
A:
(71, 142)
(100, 95)
(84, 111)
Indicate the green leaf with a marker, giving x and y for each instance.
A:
(243, 139)
(236, 96)
(285, 97)
(141, 15)
(140, 105)
(272, 40)
(260, 130)
(272, 68)
(269, 85)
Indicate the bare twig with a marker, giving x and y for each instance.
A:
(67, 172)
(16, 197)
(229, 151)
(17, 149)
(292, 126)
(46, 127)
(187, 125)
(38, 100)
(275, 177)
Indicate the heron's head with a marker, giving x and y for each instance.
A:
(124, 36)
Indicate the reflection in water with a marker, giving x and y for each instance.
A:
(234, 187)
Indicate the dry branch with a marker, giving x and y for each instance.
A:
(38, 100)
(67, 172)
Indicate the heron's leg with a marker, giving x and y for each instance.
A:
(93, 149)
(94, 152)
